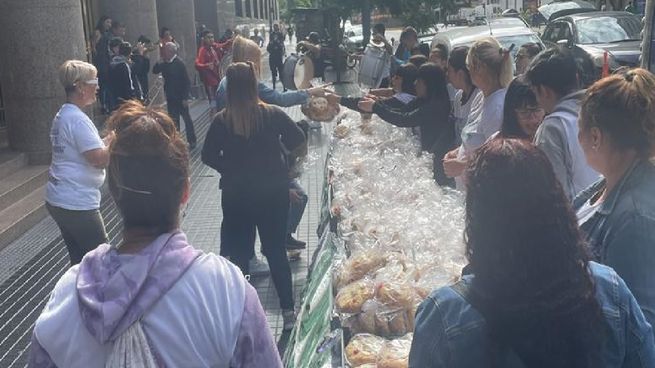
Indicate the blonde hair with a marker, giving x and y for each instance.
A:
(72, 72)
(623, 106)
(489, 54)
(245, 50)
(242, 114)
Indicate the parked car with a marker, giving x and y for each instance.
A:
(594, 33)
(508, 31)
(557, 9)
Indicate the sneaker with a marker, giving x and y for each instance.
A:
(289, 318)
(259, 268)
(293, 243)
(293, 255)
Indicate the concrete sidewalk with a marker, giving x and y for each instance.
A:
(30, 266)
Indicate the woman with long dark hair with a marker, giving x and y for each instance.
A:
(430, 113)
(534, 298)
(522, 115)
(243, 145)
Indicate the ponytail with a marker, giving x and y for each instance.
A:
(623, 106)
(488, 53)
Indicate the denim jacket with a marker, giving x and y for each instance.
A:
(266, 94)
(451, 333)
(622, 231)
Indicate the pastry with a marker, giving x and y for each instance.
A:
(353, 296)
(320, 109)
(395, 353)
(359, 266)
(363, 349)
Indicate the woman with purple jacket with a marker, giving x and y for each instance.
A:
(153, 300)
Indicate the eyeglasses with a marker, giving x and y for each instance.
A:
(528, 113)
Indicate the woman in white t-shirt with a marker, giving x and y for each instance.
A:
(491, 71)
(79, 158)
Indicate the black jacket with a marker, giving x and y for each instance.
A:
(433, 120)
(123, 83)
(177, 85)
(260, 159)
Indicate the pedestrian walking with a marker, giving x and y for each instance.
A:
(177, 88)
(243, 145)
(276, 52)
(146, 301)
(79, 157)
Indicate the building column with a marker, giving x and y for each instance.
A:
(138, 17)
(206, 13)
(227, 14)
(179, 17)
(36, 37)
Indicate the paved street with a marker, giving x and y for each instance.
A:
(30, 266)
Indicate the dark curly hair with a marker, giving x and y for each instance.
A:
(530, 264)
(149, 167)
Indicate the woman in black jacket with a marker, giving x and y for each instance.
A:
(430, 113)
(244, 145)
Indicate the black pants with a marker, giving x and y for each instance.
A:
(265, 207)
(82, 231)
(177, 109)
(277, 67)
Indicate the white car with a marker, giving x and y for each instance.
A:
(508, 31)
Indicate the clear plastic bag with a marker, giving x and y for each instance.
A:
(352, 297)
(364, 349)
(395, 353)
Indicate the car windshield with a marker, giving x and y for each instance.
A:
(517, 41)
(607, 29)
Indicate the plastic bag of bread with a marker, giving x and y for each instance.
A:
(320, 109)
(392, 322)
(358, 266)
(364, 349)
(396, 294)
(352, 297)
(395, 353)
(366, 319)
(341, 131)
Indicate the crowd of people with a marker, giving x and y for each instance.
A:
(558, 184)
(559, 223)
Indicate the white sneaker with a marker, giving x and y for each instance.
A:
(259, 267)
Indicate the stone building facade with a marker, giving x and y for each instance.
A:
(37, 36)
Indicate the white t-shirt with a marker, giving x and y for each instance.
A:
(74, 184)
(461, 111)
(485, 119)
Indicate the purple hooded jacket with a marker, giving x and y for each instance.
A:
(195, 309)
